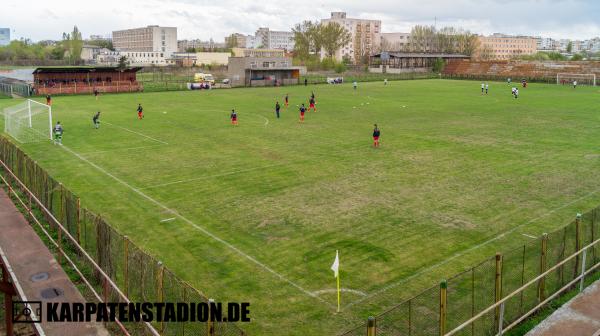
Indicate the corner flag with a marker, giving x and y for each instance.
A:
(335, 267)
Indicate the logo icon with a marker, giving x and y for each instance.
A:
(27, 311)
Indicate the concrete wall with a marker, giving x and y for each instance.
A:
(221, 58)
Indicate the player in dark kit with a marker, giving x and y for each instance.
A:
(302, 110)
(140, 111)
(233, 117)
(96, 120)
(376, 135)
(96, 93)
(287, 100)
(312, 104)
(48, 99)
(277, 108)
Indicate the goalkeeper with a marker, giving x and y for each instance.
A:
(96, 120)
(58, 133)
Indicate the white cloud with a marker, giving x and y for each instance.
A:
(40, 19)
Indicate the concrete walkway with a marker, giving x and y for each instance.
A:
(36, 273)
(578, 317)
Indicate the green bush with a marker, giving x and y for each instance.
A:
(340, 67)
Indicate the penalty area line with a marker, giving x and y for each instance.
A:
(134, 132)
(200, 228)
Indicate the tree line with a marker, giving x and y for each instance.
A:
(64, 52)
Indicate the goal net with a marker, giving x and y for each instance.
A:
(28, 121)
(582, 79)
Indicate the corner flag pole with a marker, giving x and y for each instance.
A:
(338, 292)
(336, 272)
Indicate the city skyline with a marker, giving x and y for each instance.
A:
(202, 19)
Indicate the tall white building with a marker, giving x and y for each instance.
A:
(147, 39)
(365, 36)
(4, 36)
(272, 39)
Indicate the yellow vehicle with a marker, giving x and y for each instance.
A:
(204, 78)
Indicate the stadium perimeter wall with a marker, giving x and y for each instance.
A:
(534, 71)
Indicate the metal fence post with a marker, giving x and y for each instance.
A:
(159, 290)
(577, 242)
(443, 306)
(126, 264)
(543, 265)
(210, 324)
(78, 220)
(371, 326)
(581, 282)
(498, 287)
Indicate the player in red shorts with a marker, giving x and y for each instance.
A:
(312, 104)
(302, 110)
(48, 99)
(140, 111)
(287, 99)
(233, 117)
(376, 135)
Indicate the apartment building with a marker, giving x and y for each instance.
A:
(272, 39)
(365, 36)
(395, 41)
(184, 45)
(135, 58)
(147, 39)
(504, 47)
(4, 36)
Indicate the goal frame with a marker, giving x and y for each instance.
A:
(591, 76)
(29, 104)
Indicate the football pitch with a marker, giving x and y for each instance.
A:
(255, 213)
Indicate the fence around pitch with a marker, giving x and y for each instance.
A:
(124, 271)
(440, 309)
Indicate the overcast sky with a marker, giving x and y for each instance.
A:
(43, 19)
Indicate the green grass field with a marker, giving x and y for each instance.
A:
(260, 209)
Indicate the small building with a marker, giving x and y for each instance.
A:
(262, 71)
(84, 79)
(399, 62)
(250, 52)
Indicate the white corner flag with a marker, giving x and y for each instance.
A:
(335, 267)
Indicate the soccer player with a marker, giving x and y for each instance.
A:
(516, 93)
(575, 84)
(508, 80)
(513, 90)
(312, 103)
(96, 120)
(96, 93)
(486, 88)
(305, 82)
(277, 108)
(385, 81)
(58, 133)
(233, 118)
(48, 100)
(482, 88)
(302, 110)
(376, 135)
(140, 111)
(287, 99)
(354, 84)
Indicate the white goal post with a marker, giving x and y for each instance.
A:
(29, 121)
(582, 79)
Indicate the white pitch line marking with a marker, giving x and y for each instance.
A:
(199, 228)
(120, 149)
(134, 132)
(333, 290)
(168, 219)
(211, 176)
(529, 236)
(472, 248)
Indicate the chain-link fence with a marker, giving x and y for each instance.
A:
(440, 309)
(138, 275)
